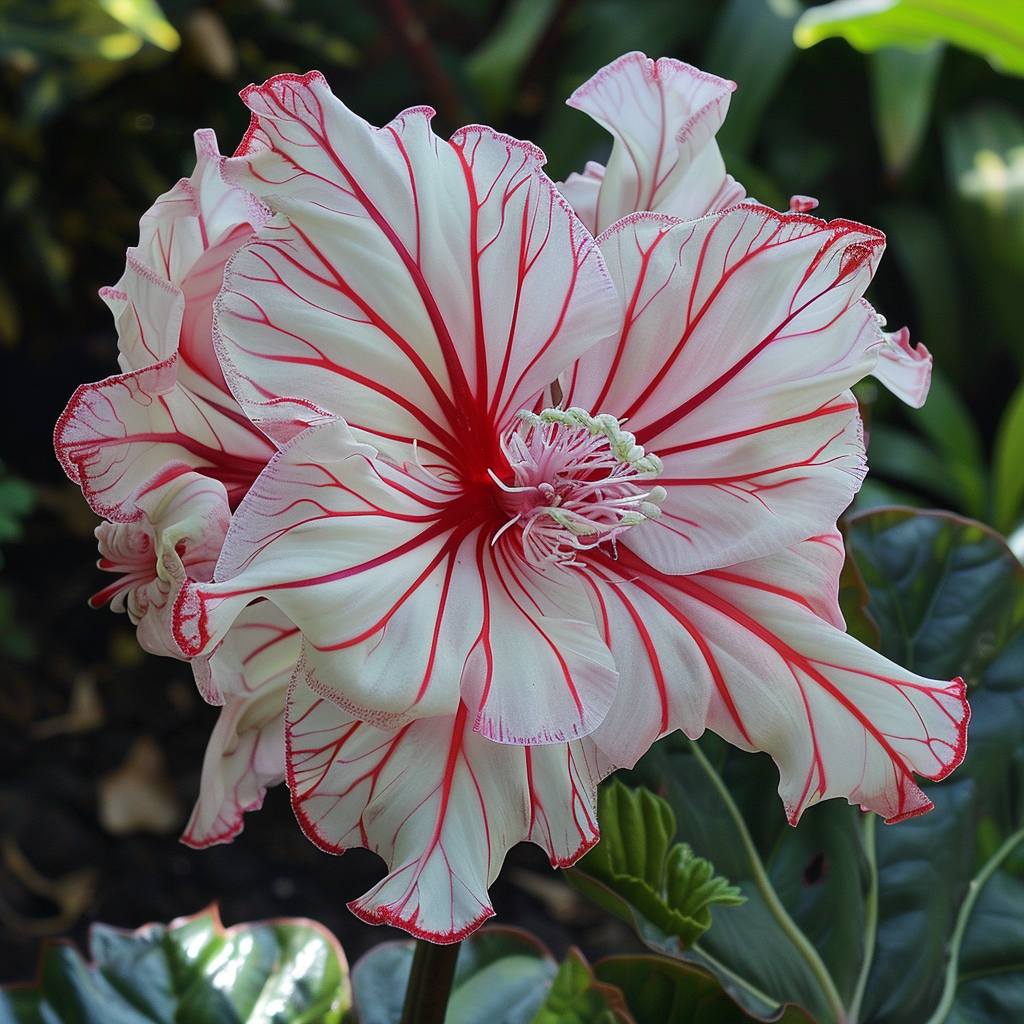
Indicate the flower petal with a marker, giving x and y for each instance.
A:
(838, 719)
(742, 333)
(905, 369)
(120, 438)
(401, 600)
(439, 803)
(178, 536)
(116, 438)
(245, 753)
(669, 686)
(664, 115)
(422, 289)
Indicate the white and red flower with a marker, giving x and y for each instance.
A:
(540, 499)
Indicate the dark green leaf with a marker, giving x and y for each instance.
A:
(902, 87)
(753, 45)
(662, 991)
(1008, 464)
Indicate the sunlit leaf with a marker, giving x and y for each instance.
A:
(194, 970)
(992, 28)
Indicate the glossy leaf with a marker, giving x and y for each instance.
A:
(502, 974)
(856, 921)
(947, 591)
(636, 872)
(576, 997)
(194, 970)
(992, 28)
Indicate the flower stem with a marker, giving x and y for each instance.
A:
(430, 983)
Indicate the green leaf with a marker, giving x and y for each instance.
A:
(992, 28)
(752, 44)
(502, 974)
(17, 499)
(194, 970)
(576, 997)
(949, 596)
(661, 991)
(495, 68)
(985, 157)
(1008, 464)
(855, 922)
(902, 87)
(635, 872)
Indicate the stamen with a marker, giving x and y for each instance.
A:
(579, 481)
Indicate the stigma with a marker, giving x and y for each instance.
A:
(578, 481)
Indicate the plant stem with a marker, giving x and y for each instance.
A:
(789, 927)
(870, 916)
(430, 982)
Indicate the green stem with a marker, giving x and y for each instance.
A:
(430, 983)
(870, 916)
(764, 886)
(966, 908)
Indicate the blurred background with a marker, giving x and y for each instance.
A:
(917, 127)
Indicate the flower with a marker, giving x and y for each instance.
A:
(164, 452)
(540, 499)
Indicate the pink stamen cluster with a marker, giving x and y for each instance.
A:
(579, 481)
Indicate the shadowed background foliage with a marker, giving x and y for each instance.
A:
(101, 745)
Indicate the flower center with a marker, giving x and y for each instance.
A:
(578, 481)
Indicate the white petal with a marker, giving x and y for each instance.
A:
(246, 751)
(422, 289)
(838, 719)
(402, 602)
(905, 369)
(743, 332)
(439, 803)
(663, 115)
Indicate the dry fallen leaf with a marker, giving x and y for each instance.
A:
(85, 712)
(139, 795)
(71, 893)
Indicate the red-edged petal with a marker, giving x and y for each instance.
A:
(742, 333)
(422, 289)
(439, 803)
(905, 369)
(402, 601)
(663, 115)
(123, 437)
(178, 536)
(119, 437)
(838, 718)
(655, 641)
(245, 753)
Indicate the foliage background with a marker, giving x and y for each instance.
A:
(98, 99)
